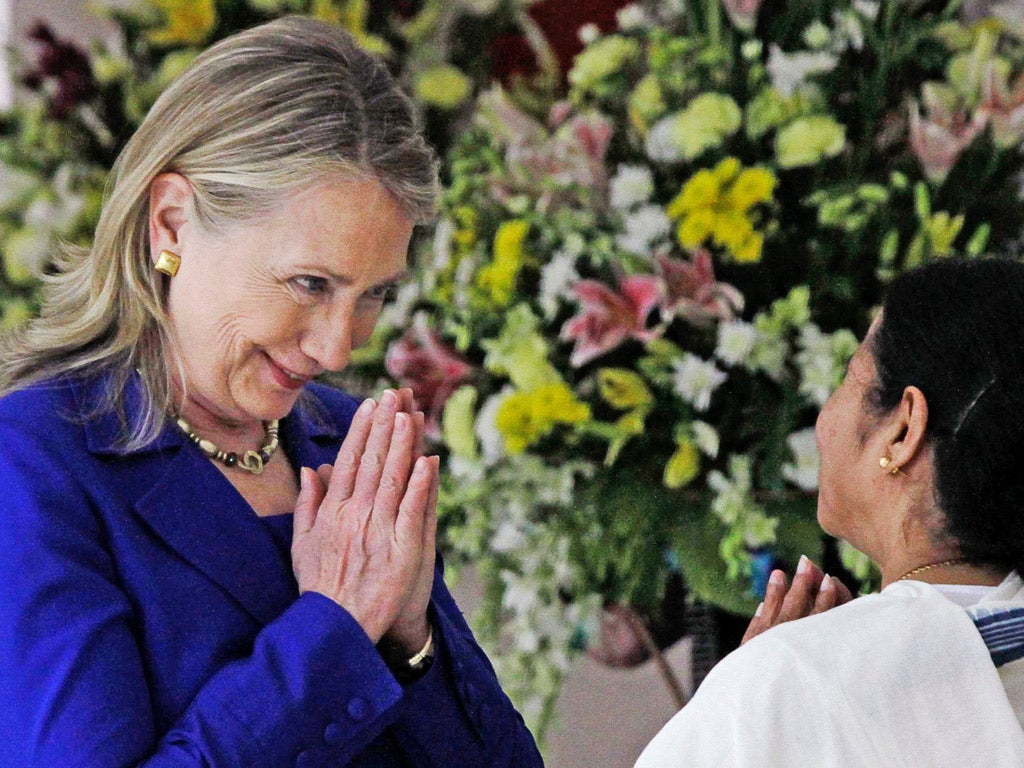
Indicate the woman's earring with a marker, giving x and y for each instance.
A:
(167, 263)
(884, 463)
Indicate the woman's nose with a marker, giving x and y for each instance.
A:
(329, 341)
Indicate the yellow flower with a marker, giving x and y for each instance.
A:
(732, 229)
(700, 191)
(602, 59)
(750, 251)
(683, 466)
(186, 22)
(628, 426)
(726, 170)
(351, 15)
(14, 312)
(457, 423)
(696, 227)
(622, 388)
(497, 280)
(808, 140)
(523, 418)
(443, 86)
(752, 186)
(646, 103)
(942, 232)
(467, 218)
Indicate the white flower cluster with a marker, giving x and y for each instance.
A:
(540, 628)
(695, 380)
(789, 71)
(646, 225)
(633, 16)
(821, 360)
(735, 506)
(631, 186)
(741, 343)
(49, 216)
(556, 277)
(803, 471)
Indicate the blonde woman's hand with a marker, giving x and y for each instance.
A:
(411, 628)
(359, 540)
(811, 592)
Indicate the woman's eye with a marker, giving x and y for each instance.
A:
(311, 284)
(382, 292)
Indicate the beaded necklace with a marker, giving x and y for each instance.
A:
(250, 461)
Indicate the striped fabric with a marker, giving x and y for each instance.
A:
(1002, 630)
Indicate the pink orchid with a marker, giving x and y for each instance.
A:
(421, 361)
(1004, 108)
(691, 291)
(559, 113)
(742, 13)
(505, 120)
(939, 141)
(547, 161)
(593, 134)
(608, 318)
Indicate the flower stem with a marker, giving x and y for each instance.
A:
(675, 688)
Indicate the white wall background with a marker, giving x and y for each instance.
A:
(5, 36)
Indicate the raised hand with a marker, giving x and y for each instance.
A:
(360, 540)
(812, 592)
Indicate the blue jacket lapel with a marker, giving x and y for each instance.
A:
(193, 508)
(200, 515)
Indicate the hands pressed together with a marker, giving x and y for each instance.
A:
(811, 592)
(365, 528)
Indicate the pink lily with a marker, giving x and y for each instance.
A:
(939, 141)
(559, 113)
(1004, 108)
(421, 361)
(742, 13)
(692, 291)
(608, 318)
(593, 133)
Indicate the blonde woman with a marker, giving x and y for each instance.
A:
(208, 559)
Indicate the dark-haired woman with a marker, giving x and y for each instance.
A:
(922, 468)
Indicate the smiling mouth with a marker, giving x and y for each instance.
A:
(287, 377)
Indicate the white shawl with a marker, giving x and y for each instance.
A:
(897, 679)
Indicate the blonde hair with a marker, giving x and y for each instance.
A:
(259, 115)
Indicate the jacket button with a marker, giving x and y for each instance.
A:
(304, 759)
(333, 734)
(358, 709)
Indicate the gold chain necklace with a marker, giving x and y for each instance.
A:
(923, 568)
(251, 461)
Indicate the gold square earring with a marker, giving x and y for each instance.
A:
(167, 263)
(885, 463)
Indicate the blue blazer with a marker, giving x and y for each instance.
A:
(147, 617)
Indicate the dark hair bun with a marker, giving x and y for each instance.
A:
(955, 330)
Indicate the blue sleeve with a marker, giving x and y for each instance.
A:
(73, 687)
(457, 714)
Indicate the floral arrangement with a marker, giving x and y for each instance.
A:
(638, 296)
(78, 107)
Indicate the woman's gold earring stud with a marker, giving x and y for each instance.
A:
(167, 263)
(884, 463)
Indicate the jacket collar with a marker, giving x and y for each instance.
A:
(186, 501)
(309, 420)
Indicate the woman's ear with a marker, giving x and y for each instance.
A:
(909, 427)
(170, 198)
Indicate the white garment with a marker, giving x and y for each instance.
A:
(901, 679)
